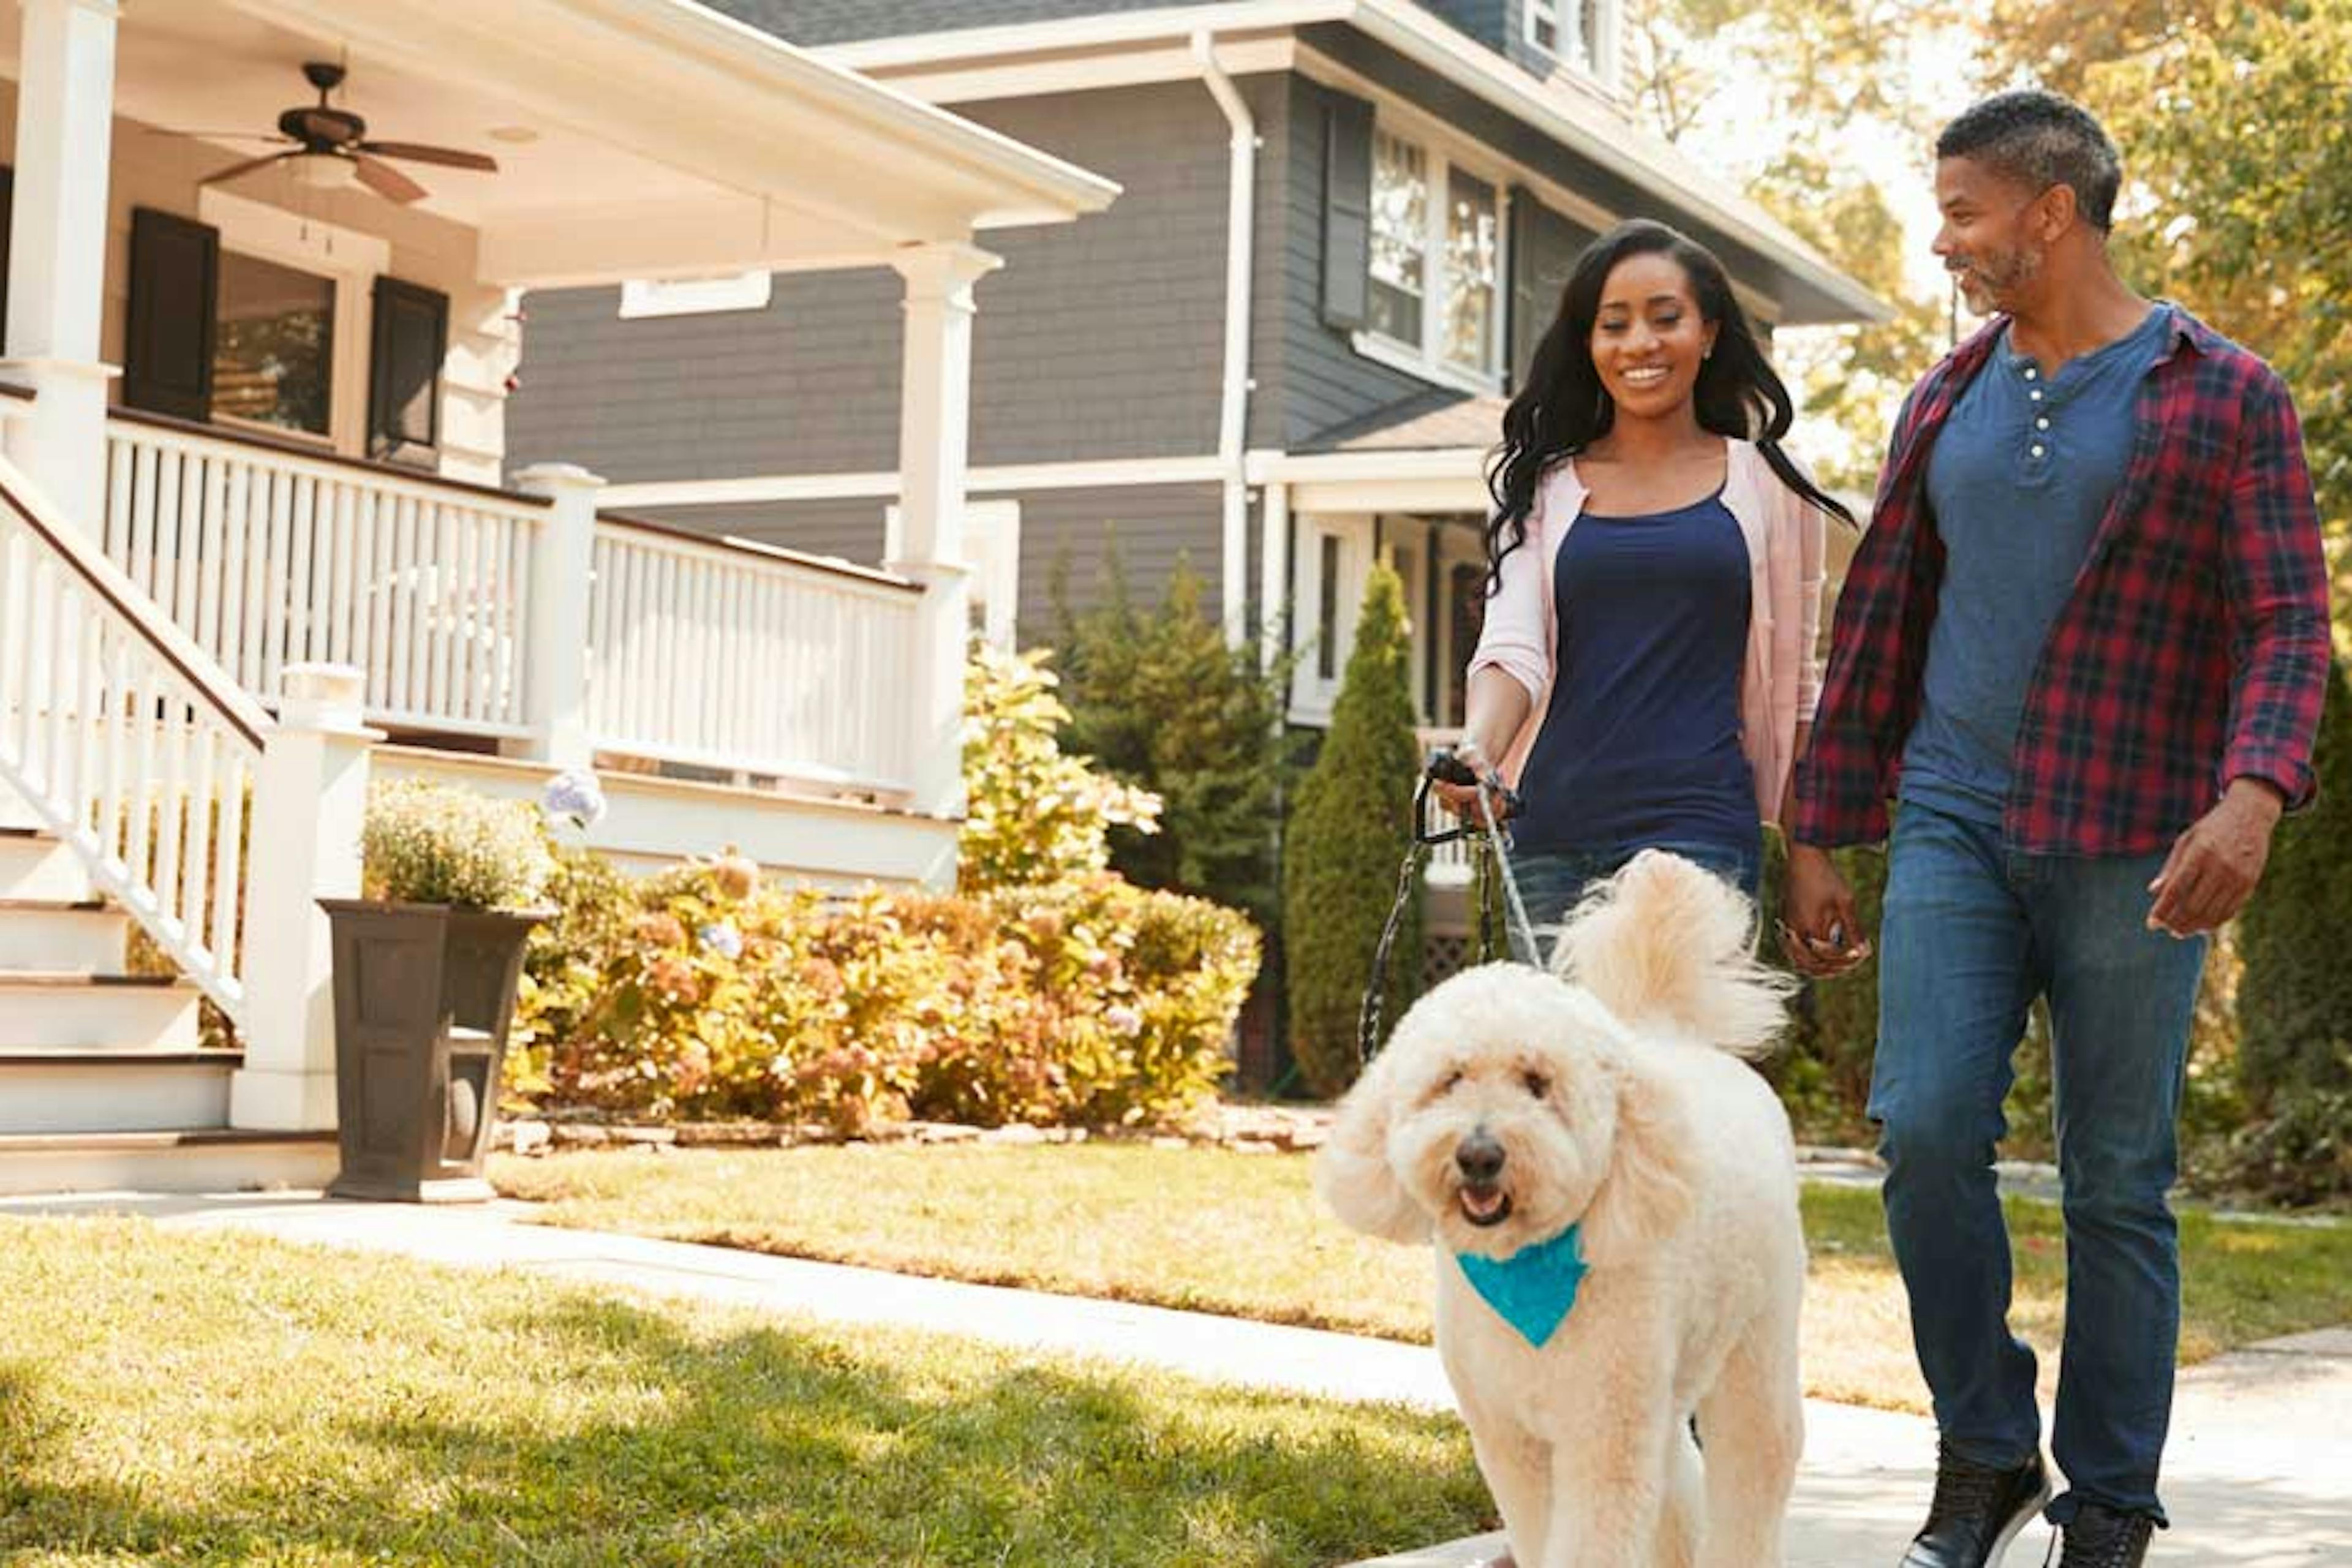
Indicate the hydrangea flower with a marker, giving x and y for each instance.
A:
(721, 938)
(573, 795)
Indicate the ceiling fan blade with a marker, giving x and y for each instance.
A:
(387, 182)
(233, 169)
(448, 156)
(224, 135)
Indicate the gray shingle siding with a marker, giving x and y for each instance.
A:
(1154, 526)
(815, 23)
(808, 385)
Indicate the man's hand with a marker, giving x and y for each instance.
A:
(1819, 929)
(2215, 866)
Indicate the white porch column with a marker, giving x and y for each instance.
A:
(934, 441)
(555, 667)
(1277, 631)
(57, 250)
(312, 795)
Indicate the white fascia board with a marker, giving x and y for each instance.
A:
(1406, 463)
(751, 490)
(1569, 115)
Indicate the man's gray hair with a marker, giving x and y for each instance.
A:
(2038, 140)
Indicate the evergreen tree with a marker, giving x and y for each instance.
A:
(2295, 999)
(1350, 830)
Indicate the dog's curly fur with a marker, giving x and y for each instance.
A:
(1616, 1091)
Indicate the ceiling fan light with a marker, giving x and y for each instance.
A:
(324, 172)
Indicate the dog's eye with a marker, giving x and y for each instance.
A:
(1537, 1085)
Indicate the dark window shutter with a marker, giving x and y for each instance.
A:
(167, 356)
(7, 217)
(1346, 209)
(410, 340)
(1544, 247)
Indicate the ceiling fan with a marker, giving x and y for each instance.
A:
(330, 148)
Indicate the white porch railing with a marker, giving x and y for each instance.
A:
(126, 740)
(268, 557)
(736, 657)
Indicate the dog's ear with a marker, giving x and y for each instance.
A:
(1646, 1191)
(1352, 1173)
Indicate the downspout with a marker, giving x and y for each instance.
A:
(1233, 410)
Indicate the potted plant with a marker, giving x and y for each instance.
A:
(426, 971)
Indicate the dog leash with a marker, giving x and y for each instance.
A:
(1496, 802)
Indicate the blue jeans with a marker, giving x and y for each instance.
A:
(1552, 882)
(1971, 934)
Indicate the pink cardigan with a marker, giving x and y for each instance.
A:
(1782, 678)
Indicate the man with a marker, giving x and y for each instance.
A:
(2082, 646)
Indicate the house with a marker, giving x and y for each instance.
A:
(1283, 354)
(263, 532)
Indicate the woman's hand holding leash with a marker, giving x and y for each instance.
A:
(1454, 775)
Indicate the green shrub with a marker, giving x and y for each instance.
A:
(2295, 1003)
(1034, 813)
(1163, 701)
(426, 843)
(1345, 840)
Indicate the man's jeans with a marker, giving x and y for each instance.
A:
(1552, 883)
(1971, 934)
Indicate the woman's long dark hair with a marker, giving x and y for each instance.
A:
(1563, 408)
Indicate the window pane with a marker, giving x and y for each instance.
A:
(1470, 256)
(1543, 24)
(1587, 31)
(1400, 236)
(274, 360)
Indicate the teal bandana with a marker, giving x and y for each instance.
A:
(1531, 1290)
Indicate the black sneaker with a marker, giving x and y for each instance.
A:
(1977, 1511)
(2099, 1537)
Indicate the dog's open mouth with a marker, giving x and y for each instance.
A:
(1482, 1204)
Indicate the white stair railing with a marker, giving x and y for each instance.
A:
(126, 738)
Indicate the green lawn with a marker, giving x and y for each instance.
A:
(168, 1398)
(1242, 1234)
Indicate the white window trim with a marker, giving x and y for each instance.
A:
(991, 550)
(644, 297)
(1567, 19)
(1545, 10)
(1311, 696)
(1427, 358)
(351, 259)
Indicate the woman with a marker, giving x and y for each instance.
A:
(1646, 672)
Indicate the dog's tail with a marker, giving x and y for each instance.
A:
(1667, 945)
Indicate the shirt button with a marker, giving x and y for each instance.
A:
(2043, 423)
(2035, 395)
(2031, 373)
(2039, 448)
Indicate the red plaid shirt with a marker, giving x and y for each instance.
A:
(2192, 651)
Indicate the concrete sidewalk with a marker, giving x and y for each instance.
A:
(2256, 1472)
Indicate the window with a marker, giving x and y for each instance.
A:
(1326, 611)
(1543, 24)
(1567, 29)
(1471, 252)
(693, 296)
(1399, 237)
(274, 350)
(1334, 554)
(1432, 301)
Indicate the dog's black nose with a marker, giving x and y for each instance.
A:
(1479, 1156)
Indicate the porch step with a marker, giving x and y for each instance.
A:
(187, 1159)
(34, 864)
(68, 1092)
(79, 935)
(93, 1012)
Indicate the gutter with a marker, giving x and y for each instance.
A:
(1233, 412)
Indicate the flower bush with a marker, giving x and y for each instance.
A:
(426, 843)
(703, 993)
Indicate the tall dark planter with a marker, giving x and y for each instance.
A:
(424, 997)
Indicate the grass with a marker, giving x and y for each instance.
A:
(175, 1398)
(1241, 1234)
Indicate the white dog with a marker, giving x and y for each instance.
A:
(1512, 1105)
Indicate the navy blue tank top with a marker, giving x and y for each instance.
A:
(1640, 744)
